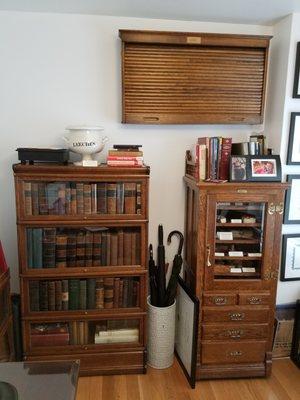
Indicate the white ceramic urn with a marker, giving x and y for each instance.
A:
(85, 140)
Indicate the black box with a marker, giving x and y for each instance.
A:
(43, 155)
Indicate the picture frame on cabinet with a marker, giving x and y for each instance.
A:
(292, 201)
(295, 352)
(290, 258)
(293, 154)
(264, 168)
(238, 169)
(296, 87)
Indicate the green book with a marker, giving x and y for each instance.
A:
(29, 247)
(74, 289)
(37, 248)
(91, 293)
(82, 294)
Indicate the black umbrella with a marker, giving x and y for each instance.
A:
(161, 273)
(152, 277)
(177, 263)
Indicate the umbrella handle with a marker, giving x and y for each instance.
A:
(180, 240)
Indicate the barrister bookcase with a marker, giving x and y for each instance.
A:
(82, 239)
(233, 233)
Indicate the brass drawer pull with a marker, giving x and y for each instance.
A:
(236, 316)
(220, 301)
(271, 209)
(254, 300)
(236, 353)
(279, 208)
(235, 333)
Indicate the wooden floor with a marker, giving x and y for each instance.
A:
(171, 384)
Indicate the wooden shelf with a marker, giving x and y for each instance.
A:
(239, 208)
(239, 241)
(238, 275)
(246, 258)
(237, 225)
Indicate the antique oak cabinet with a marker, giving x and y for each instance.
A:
(233, 233)
(82, 237)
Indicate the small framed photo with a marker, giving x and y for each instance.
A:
(292, 201)
(264, 168)
(290, 258)
(296, 88)
(293, 155)
(238, 169)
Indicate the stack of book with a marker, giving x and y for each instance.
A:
(125, 156)
(83, 294)
(211, 156)
(90, 247)
(117, 331)
(56, 334)
(73, 198)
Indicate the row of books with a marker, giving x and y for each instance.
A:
(89, 247)
(83, 294)
(73, 198)
(125, 157)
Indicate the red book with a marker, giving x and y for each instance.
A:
(123, 158)
(225, 158)
(3, 265)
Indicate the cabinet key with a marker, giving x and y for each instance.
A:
(236, 316)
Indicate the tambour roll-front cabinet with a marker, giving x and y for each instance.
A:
(233, 234)
(82, 237)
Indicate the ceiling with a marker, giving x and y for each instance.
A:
(261, 12)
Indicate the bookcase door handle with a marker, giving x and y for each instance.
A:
(271, 209)
(220, 301)
(279, 208)
(236, 316)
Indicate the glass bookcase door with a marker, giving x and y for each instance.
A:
(239, 240)
(73, 198)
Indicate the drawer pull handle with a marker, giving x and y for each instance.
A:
(242, 191)
(280, 208)
(219, 301)
(235, 334)
(254, 300)
(236, 353)
(236, 316)
(271, 209)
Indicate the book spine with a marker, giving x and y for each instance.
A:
(121, 289)
(27, 197)
(51, 296)
(202, 162)
(37, 247)
(138, 248)
(104, 248)
(34, 296)
(99, 294)
(130, 293)
(135, 293)
(120, 198)
(111, 198)
(97, 249)
(133, 248)
(61, 199)
(87, 198)
(120, 247)
(79, 198)
(42, 199)
(68, 199)
(130, 198)
(94, 198)
(81, 332)
(138, 205)
(35, 198)
(65, 294)
(124, 158)
(225, 158)
(82, 295)
(89, 249)
(91, 294)
(74, 333)
(71, 250)
(58, 339)
(58, 295)
(127, 248)
(125, 292)
(73, 198)
(205, 141)
(74, 288)
(108, 292)
(80, 249)
(116, 292)
(43, 295)
(29, 246)
(108, 248)
(61, 251)
(120, 163)
(49, 247)
(102, 198)
(113, 249)
(52, 196)
(125, 153)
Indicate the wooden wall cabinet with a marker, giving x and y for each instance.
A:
(6, 327)
(236, 290)
(83, 235)
(193, 78)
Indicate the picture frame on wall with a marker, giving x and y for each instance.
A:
(238, 169)
(264, 168)
(290, 258)
(293, 154)
(292, 201)
(296, 87)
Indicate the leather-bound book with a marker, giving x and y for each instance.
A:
(74, 288)
(120, 198)
(130, 292)
(65, 294)
(135, 293)
(73, 198)
(130, 198)
(113, 248)
(89, 249)
(133, 248)
(61, 199)
(127, 248)
(116, 292)
(79, 198)
(111, 198)
(108, 238)
(80, 249)
(61, 250)
(42, 199)
(28, 197)
(71, 250)
(87, 198)
(49, 247)
(104, 243)
(81, 332)
(34, 295)
(121, 289)
(225, 158)
(37, 248)
(138, 247)
(91, 293)
(58, 295)
(97, 249)
(73, 332)
(82, 294)
(94, 198)
(68, 199)
(29, 248)
(120, 234)
(35, 198)
(51, 295)
(52, 197)
(138, 206)
(99, 293)
(43, 295)
(102, 198)
(108, 292)
(125, 292)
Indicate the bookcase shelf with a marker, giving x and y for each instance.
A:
(83, 236)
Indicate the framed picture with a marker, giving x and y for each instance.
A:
(290, 258)
(238, 169)
(296, 88)
(186, 333)
(295, 353)
(292, 201)
(293, 155)
(264, 168)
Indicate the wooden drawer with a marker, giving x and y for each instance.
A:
(219, 299)
(231, 353)
(250, 298)
(236, 314)
(234, 332)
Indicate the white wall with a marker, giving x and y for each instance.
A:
(57, 70)
(280, 106)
